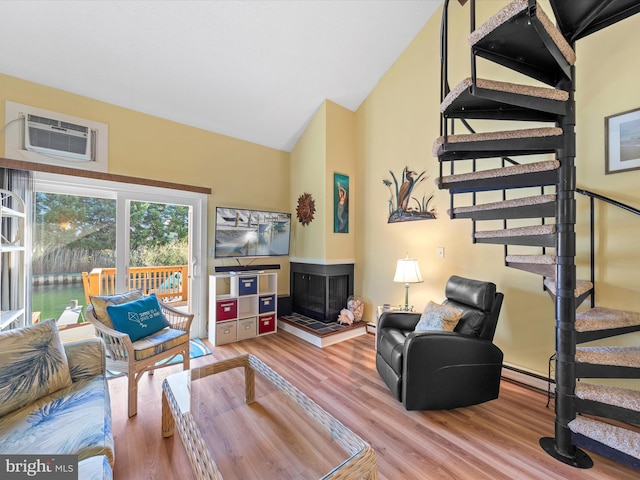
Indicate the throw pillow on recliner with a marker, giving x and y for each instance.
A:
(438, 317)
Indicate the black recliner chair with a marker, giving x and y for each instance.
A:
(437, 370)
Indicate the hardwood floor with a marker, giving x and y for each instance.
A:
(495, 440)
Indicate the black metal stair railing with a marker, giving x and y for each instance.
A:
(592, 234)
(548, 63)
(560, 446)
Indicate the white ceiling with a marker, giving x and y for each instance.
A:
(254, 70)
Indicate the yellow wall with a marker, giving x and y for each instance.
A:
(340, 159)
(240, 174)
(327, 146)
(308, 175)
(396, 126)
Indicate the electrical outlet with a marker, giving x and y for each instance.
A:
(440, 251)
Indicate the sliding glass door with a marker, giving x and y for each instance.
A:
(98, 237)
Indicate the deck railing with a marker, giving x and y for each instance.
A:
(169, 283)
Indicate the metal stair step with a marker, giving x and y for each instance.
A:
(490, 99)
(524, 39)
(582, 291)
(572, 16)
(601, 322)
(608, 362)
(536, 235)
(607, 401)
(515, 176)
(538, 206)
(511, 143)
(539, 264)
(617, 443)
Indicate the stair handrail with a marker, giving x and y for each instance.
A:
(592, 236)
(616, 203)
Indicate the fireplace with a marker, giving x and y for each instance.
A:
(320, 291)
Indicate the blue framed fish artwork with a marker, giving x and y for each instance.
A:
(340, 203)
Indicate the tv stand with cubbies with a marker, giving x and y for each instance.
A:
(242, 306)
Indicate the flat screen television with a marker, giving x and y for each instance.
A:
(251, 233)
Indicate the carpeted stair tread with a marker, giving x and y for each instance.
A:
(537, 259)
(601, 318)
(517, 232)
(617, 396)
(582, 287)
(615, 356)
(544, 265)
(511, 11)
(516, 202)
(499, 135)
(502, 172)
(527, 90)
(618, 438)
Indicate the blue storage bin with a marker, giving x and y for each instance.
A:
(248, 285)
(267, 303)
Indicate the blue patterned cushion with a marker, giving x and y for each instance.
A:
(33, 364)
(439, 317)
(159, 342)
(72, 421)
(95, 468)
(139, 318)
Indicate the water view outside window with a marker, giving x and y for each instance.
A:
(75, 234)
(72, 234)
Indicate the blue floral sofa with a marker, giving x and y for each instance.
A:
(54, 398)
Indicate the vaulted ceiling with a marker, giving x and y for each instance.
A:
(254, 70)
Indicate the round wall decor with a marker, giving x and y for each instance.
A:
(306, 208)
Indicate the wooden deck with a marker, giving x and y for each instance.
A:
(165, 281)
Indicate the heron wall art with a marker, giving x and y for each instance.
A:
(403, 206)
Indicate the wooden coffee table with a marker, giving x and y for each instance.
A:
(318, 435)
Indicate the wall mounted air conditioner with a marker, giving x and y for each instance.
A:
(42, 136)
(51, 136)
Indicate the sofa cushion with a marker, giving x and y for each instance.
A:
(101, 302)
(139, 318)
(72, 421)
(33, 364)
(86, 358)
(438, 317)
(95, 468)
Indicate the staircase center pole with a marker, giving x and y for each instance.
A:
(562, 447)
(566, 284)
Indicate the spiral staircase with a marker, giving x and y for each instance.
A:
(522, 37)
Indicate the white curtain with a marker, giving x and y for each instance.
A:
(21, 183)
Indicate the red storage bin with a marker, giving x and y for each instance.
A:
(226, 310)
(266, 324)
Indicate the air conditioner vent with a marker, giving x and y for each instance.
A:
(56, 137)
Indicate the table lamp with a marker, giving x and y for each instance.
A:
(407, 271)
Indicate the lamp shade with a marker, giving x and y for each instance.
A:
(408, 271)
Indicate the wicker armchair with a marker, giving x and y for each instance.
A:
(143, 355)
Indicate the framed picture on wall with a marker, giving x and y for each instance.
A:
(622, 142)
(340, 203)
